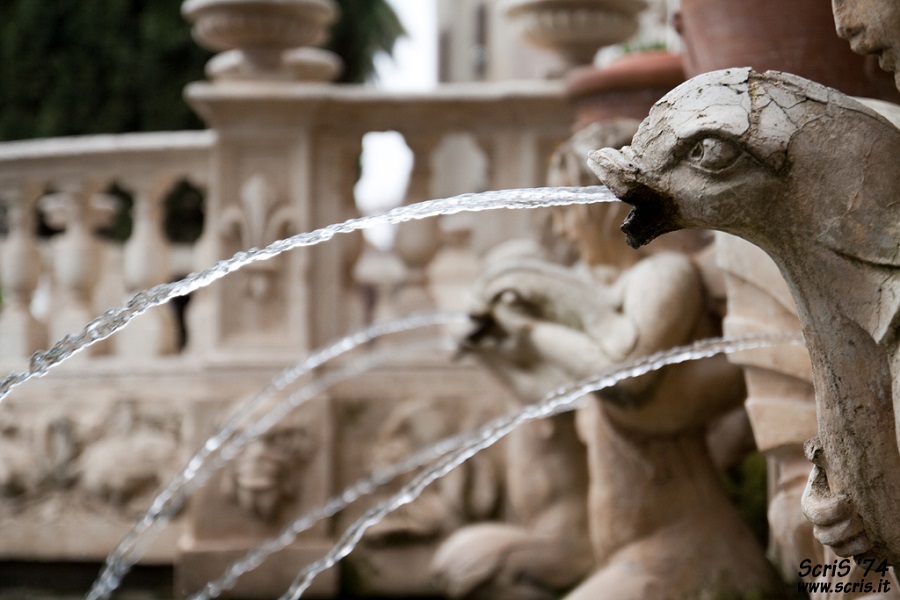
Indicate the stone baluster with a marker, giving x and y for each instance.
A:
(513, 161)
(200, 314)
(417, 242)
(20, 269)
(76, 258)
(145, 264)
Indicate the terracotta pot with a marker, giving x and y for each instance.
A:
(626, 88)
(796, 36)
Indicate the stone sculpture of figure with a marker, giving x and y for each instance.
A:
(781, 407)
(660, 525)
(393, 558)
(540, 550)
(808, 175)
(269, 471)
(463, 495)
(544, 550)
(871, 27)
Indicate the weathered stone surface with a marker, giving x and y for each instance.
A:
(871, 27)
(77, 470)
(781, 406)
(756, 155)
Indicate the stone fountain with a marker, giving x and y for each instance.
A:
(749, 154)
(654, 505)
(629, 466)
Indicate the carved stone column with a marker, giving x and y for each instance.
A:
(76, 257)
(20, 269)
(146, 263)
(264, 171)
(417, 242)
(259, 192)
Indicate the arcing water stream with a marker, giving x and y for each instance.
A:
(439, 459)
(558, 402)
(230, 440)
(116, 318)
(452, 452)
(170, 500)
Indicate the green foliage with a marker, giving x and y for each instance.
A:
(78, 67)
(72, 67)
(746, 484)
(366, 28)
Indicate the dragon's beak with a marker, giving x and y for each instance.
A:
(653, 213)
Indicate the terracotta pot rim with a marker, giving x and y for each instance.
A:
(639, 70)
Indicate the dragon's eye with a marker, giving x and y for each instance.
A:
(714, 154)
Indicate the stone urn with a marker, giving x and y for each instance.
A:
(265, 39)
(575, 28)
(626, 88)
(797, 37)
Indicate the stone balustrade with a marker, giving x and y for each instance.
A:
(66, 184)
(288, 165)
(83, 449)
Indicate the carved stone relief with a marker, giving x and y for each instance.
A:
(270, 471)
(388, 416)
(257, 301)
(75, 475)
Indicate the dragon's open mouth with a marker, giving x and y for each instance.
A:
(653, 213)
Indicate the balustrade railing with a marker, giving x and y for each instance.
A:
(278, 160)
(64, 185)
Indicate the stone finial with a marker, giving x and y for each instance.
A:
(576, 28)
(265, 39)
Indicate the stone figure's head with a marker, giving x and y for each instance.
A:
(871, 27)
(770, 154)
(590, 229)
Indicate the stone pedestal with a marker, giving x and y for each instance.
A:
(274, 174)
(279, 476)
(576, 28)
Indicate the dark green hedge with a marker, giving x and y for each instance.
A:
(71, 67)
